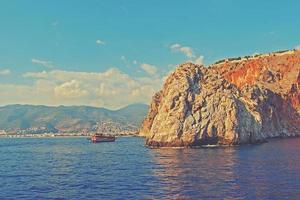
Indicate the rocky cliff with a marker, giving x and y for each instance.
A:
(235, 101)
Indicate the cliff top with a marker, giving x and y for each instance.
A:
(277, 71)
(254, 57)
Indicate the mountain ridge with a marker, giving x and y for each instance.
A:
(42, 118)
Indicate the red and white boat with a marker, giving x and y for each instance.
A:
(102, 138)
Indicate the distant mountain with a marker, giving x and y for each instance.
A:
(38, 119)
(133, 112)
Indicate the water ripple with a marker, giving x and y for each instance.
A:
(61, 168)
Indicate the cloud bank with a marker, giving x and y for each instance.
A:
(111, 88)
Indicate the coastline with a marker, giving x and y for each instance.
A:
(58, 136)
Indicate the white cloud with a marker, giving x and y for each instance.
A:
(150, 69)
(187, 51)
(199, 60)
(297, 47)
(111, 88)
(100, 42)
(70, 89)
(43, 63)
(135, 62)
(5, 72)
(175, 46)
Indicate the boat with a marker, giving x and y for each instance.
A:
(102, 138)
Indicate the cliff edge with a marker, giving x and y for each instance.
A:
(236, 101)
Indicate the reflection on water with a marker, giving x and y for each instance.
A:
(205, 172)
(267, 171)
(62, 168)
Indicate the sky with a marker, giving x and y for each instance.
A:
(112, 53)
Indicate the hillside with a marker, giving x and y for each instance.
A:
(39, 119)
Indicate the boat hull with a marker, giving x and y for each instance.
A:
(96, 139)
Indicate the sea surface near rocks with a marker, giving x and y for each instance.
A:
(73, 168)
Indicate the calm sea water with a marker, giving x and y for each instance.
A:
(73, 168)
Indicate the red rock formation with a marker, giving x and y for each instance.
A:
(280, 73)
(236, 101)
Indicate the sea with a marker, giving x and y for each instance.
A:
(74, 168)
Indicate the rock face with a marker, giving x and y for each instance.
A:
(229, 103)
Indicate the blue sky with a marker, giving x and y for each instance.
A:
(49, 49)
